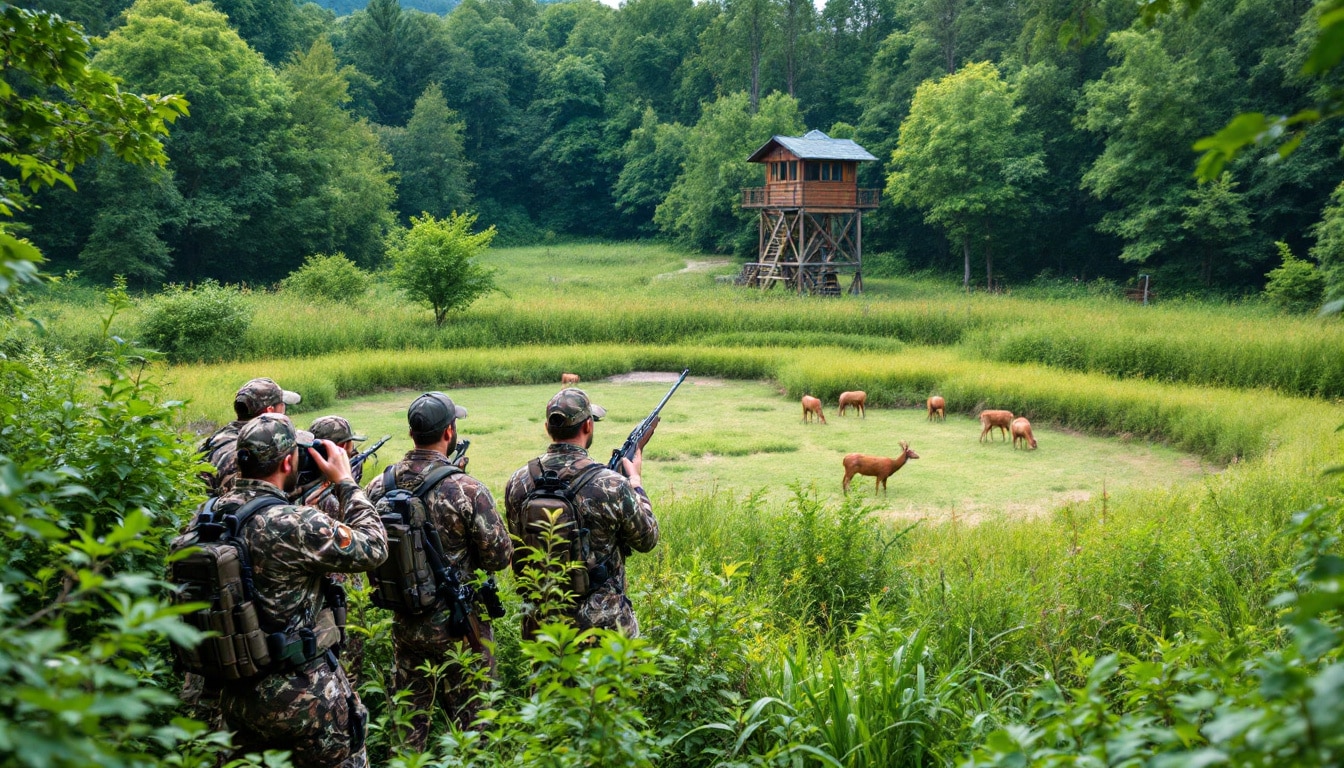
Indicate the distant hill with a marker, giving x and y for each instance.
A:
(344, 7)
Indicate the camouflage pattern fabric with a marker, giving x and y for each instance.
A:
(292, 549)
(352, 654)
(456, 690)
(616, 515)
(306, 712)
(473, 537)
(221, 451)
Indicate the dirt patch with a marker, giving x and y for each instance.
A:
(974, 514)
(659, 377)
(695, 265)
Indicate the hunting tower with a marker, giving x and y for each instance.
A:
(811, 221)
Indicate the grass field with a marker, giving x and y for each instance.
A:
(742, 436)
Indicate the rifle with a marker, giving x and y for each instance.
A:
(456, 458)
(641, 433)
(356, 462)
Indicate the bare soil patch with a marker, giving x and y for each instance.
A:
(695, 265)
(663, 377)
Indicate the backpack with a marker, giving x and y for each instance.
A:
(219, 572)
(409, 580)
(555, 495)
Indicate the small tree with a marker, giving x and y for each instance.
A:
(1297, 285)
(434, 262)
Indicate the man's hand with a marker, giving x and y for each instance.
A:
(631, 469)
(462, 463)
(643, 441)
(335, 469)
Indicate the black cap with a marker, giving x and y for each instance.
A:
(433, 412)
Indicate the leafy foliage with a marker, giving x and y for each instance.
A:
(196, 323)
(1297, 285)
(436, 262)
(328, 278)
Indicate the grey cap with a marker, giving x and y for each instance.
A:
(433, 412)
(271, 436)
(570, 407)
(336, 429)
(259, 394)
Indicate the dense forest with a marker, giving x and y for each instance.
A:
(312, 132)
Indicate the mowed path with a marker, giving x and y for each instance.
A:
(741, 436)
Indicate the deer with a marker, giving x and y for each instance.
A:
(992, 419)
(1021, 429)
(569, 378)
(812, 407)
(857, 399)
(875, 466)
(937, 406)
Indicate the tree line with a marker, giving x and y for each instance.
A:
(1037, 136)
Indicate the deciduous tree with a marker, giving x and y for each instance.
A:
(435, 262)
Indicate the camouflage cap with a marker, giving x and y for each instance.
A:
(572, 406)
(271, 436)
(433, 412)
(259, 394)
(335, 429)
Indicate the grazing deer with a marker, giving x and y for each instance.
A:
(937, 406)
(992, 419)
(812, 407)
(857, 399)
(569, 378)
(1021, 429)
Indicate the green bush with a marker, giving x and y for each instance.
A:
(1297, 285)
(329, 278)
(197, 324)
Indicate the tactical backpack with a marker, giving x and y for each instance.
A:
(219, 573)
(409, 579)
(555, 495)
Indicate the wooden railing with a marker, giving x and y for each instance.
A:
(816, 195)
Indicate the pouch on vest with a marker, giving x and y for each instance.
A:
(406, 582)
(554, 494)
(219, 574)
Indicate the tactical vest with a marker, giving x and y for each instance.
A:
(414, 576)
(218, 572)
(555, 495)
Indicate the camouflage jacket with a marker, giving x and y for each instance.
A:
(221, 451)
(470, 528)
(292, 549)
(617, 516)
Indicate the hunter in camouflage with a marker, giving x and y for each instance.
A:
(309, 707)
(338, 430)
(474, 537)
(254, 398)
(615, 508)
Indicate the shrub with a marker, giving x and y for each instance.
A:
(328, 277)
(436, 263)
(1296, 286)
(197, 324)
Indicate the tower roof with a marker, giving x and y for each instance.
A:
(814, 145)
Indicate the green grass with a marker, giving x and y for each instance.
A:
(701, 444)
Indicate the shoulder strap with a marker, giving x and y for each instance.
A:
(247, 511)
(436, 477)
(582, 477)
(389, 479)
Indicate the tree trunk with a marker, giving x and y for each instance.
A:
(989, 267)
(966, 253)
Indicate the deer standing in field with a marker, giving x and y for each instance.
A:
(937, 407)
(1021, 429)
(857, 399)
(991, 419)
(876, 466)
(569, 378)
(812, 407)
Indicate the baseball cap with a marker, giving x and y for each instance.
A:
(433, 412)
(270, 437)
(335, 429)
(571, 406)
(260, 394)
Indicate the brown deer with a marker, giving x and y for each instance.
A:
(1021, 429)
(937, 406)
(857, 399)
(992, 419)
(876, 466)
(569, 378)
(812, 407)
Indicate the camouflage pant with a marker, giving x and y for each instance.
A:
(307, 712)
(455, 690)
(607, 609)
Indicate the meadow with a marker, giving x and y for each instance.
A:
(1207, 426)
